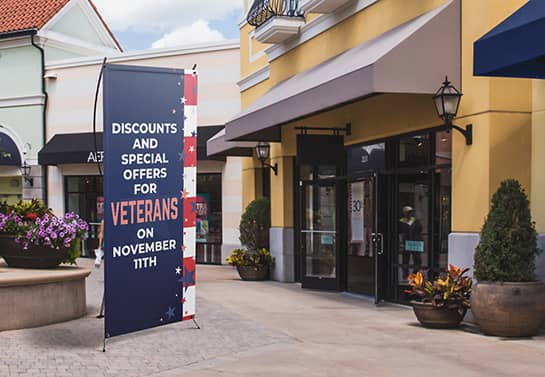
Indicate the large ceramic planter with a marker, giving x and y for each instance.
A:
(509, 309)
(250, 273)
(35, 257)
(437, 318)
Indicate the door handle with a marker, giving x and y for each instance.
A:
(378, 241)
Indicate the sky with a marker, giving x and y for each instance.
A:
(142, 24)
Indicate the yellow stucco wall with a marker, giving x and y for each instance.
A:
(500, 111)
(367, 24)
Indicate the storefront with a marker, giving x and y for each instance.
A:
(369, 214)
(75, 164)
(362, 183)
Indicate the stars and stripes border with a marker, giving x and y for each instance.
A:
(189, 194)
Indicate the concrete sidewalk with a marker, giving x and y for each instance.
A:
(343, 336)
(266, 329)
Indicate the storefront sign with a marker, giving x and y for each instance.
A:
(149, 145)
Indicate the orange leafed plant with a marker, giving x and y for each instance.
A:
(451, 289)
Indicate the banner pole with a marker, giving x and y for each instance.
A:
(196, 323)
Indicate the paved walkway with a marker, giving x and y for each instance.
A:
(268, 329)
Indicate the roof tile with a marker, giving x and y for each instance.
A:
(27, 14)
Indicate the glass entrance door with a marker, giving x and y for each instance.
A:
(318, 235)
(364, 245)
(412, 249)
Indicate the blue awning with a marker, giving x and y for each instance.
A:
(514, 48)
(9, 153)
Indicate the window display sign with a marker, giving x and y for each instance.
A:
(150, 184)
(203, 216)
(414, 246)
(357, 216)
(100, 207)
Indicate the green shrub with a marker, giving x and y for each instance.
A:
(255, 223)
(508, 246)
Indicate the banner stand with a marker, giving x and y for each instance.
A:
(150, 174)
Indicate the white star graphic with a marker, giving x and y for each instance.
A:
(191, 149)
(178, 270)
(183, 100)
(173, 111)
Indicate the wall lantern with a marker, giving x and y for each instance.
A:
(25, 172)
(263, 151)
(447, 102)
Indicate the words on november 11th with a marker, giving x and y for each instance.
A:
(144, 181)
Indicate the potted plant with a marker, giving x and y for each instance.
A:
(443, 302)
(32, 237)
(255, 223)
(251, 265)
(507, 300)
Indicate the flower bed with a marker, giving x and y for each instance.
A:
(34, 230)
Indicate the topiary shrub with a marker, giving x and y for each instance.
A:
(508, 246)
(255, 223)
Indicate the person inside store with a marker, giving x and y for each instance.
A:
(411, 242)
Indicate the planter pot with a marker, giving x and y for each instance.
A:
(35, 257)
(509, 309)
(437, 318)
(250, 273)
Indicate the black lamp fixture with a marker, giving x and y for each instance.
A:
(25, 172)
(263, 151)
(447, 102)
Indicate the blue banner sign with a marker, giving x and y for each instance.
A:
(143, 179)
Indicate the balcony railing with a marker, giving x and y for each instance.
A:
(263, 10)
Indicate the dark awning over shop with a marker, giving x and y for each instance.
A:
(412, 58)
(9, 153)
(72, 149)
(218, 146)
(80, 148)
(515, 47)
(205, 133)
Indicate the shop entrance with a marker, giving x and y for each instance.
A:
(398, 213)
(319, 236)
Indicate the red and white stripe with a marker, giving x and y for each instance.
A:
(190, 188)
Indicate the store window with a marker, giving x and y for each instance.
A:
(11, 189)
(209, 218)
(414, 150)
(84, 195)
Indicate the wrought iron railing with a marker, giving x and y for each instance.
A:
(263, 10)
